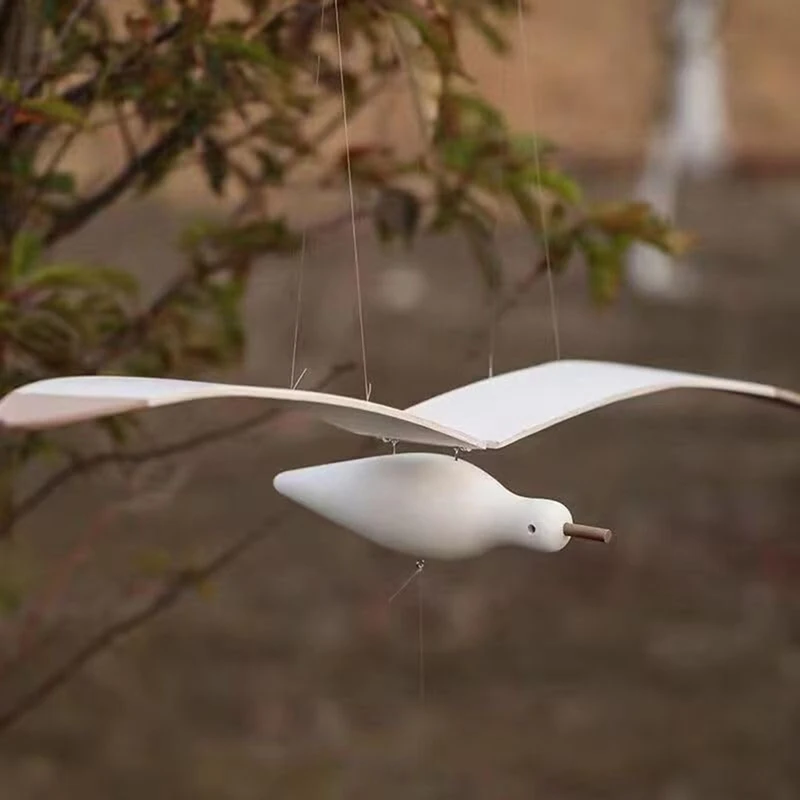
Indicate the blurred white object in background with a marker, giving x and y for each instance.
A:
(691, 140)
(401, 287)
(700, 116)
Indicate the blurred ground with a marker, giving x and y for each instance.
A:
(666, 665)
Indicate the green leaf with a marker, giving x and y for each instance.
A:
(252, 238)
(557, 182)
(57, 183)
(228, 301)
(232, 45)
(50, 11)
(215, 68)
(155, 562)
(478, 112)
(11, 597)
(434, 38)
(119, 427)
(460, 154)
(26, 250)
(66, 276)
(620, 217)
(215, 163)
(528, 148)
(10, 90)
(604, 260)
(54, 109)
(639, 221)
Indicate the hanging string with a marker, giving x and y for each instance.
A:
(493, 320)
(416, 575)
(496, 286)
(300, 271)
(537, 166)
(407, 582)
(301, 266)
(421, 647)
(367, 384)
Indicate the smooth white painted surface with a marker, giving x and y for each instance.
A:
(427, 505)
(491, 413)
(62, 401)
(509, 407)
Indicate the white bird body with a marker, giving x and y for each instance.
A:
(427, 505)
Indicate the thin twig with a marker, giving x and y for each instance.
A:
(33, 620)
(83, 93)
(58, 156)
(173, 590)
(78, 215)
(76, 15)
(42, 606)
(125, 134)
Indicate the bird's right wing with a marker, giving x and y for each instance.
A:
(506, 408)
(63, 401)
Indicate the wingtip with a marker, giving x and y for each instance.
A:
(33, 411)
(787, 396)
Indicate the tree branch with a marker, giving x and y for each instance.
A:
(84, 92)
(75, 217)
(166, 598)
(81, 9)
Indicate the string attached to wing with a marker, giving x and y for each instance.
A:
(367, 384)
(551, 287)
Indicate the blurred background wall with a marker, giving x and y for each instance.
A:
(664, 666)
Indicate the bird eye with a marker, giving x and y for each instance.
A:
(531, 528)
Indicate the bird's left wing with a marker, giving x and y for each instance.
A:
(61, 401)
(506, 408)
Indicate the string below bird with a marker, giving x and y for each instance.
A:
(401, 502)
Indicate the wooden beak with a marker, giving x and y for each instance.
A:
(588, 532)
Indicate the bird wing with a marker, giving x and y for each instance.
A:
(491, 413)
(506, 408)
(62, 401)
